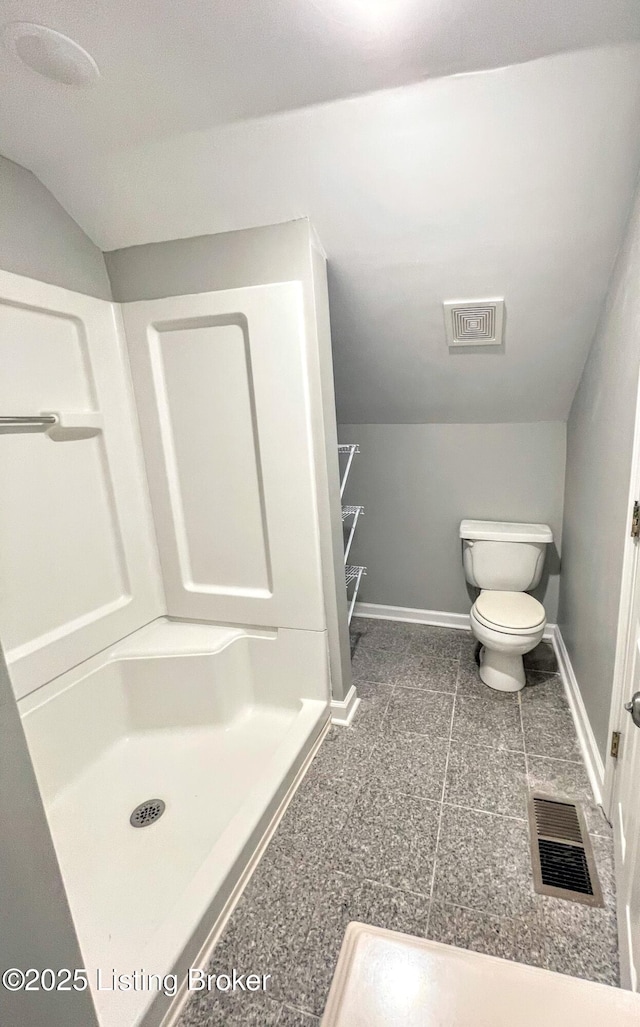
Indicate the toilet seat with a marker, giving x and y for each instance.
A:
(514, 613)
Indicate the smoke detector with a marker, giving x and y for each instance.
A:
(50, 53)
(474, 322)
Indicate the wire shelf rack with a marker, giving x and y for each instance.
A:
(354, 512)
(353, 577)
(349, 450)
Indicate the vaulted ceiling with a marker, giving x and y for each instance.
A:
(511, 181)
(172, 67)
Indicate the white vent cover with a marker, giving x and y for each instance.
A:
(474, 322)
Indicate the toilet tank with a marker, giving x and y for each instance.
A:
(504, 555)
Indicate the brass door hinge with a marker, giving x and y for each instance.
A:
(635, 520)
(615, 744)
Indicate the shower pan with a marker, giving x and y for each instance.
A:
(203, 719)
(166, 634)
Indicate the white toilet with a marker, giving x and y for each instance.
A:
(504, 561)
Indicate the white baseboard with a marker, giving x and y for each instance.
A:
(412, 616)
(343, 710)
(588, 747)
(437, 618)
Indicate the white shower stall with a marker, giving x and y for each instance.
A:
(165, 592)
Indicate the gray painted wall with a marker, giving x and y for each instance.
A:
(408, 220)
(36, 928)
(39, 239)
(599, 450)
(254, 256)
(417, 482)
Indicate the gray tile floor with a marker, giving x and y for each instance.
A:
(414, 819)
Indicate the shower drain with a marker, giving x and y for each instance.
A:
(147, 812)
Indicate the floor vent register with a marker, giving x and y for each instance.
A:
(561, 853)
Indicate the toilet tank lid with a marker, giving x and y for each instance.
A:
(505, 531)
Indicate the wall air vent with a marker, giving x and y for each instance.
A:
(474, 322)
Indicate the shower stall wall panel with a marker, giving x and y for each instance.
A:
(223, 396)
(78, 559)
(209, 694)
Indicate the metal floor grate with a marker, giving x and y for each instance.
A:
(561, 853)
(557, 819)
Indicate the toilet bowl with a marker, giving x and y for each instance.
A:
(505, 560)
(508, 625)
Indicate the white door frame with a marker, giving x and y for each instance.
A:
(629, 562)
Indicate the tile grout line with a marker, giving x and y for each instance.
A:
(527, 756)
(421, 691)
(486, 812)
(372, 739)
(296, 1009)
(524, 741)
(442, 795)
(490, 913)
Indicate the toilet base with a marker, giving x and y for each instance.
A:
(502, 671)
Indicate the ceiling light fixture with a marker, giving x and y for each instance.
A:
(370, 15)
(50, 53)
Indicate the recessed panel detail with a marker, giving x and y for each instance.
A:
(208, 419)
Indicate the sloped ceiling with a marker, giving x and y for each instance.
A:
(515, 181)
(173, 66)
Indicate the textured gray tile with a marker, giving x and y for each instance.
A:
(373, 706)
(392, 908)
(294, 1018)
(378, 691)
(315, 817)
(344, 753)
(488, 722)
(603, 855)
(483, 863)
(580, 940)
(267, 929)
(425, 670)
(238, 1009)
(370, 633)
(494, 780)
(596, 821)
(345, 899)
(468, 648)
(445, 642)
(517, 940)
(413, 764)
(414, 670)
(375, 665)
(549, 731)
(541, 658)
(544, 687)
(420, 712)
(308, 985)
(567, 780)
(390, 838)
(470, 685)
